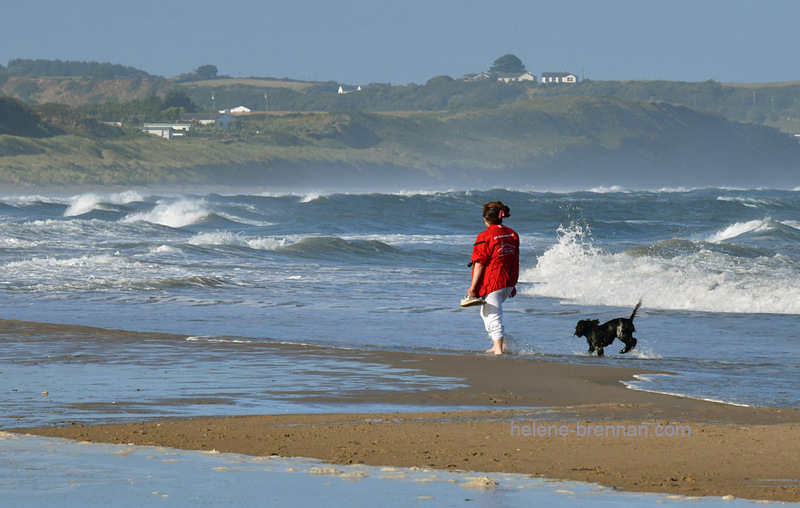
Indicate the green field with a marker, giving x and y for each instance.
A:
(249, 82)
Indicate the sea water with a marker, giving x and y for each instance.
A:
(47, 472)
(717, 270)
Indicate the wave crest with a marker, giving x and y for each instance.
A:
(174, 214)
(85, 203)
(226, 238)
(684, 276)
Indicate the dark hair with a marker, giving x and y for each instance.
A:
(495, 211)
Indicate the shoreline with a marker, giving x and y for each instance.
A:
(742, 451)
(704, 459)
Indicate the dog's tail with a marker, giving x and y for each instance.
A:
(633, 314)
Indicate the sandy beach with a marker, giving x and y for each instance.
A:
(536, 417)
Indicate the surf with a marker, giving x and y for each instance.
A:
(675, 275)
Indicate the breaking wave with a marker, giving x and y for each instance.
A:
(675, 274)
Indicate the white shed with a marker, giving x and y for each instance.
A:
(559, 77)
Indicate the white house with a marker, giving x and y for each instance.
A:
(559, 77)
(475, 77)
(223, 120)
(348, 88)
(166, 130)
(508, 77)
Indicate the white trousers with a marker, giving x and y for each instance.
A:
(492, 313)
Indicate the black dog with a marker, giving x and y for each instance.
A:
(599, 336)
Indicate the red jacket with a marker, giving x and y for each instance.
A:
(497, 249)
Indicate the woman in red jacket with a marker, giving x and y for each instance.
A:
(495, 270)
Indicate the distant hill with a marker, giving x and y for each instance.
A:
(558, 143)
(79, 91)
(772, 104)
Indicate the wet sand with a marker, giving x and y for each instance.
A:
(533, 417)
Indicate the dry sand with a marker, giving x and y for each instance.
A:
(545, 420)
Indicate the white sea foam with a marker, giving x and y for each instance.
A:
(405, 239)
(31, 199)
(676, 190)
(748, 202)
(737, 229)
(702, 280)
(238, 239)
(648, 383)
(16, 243)
(644, 352)
(218, 340)
(82, 261)
(174, 214)
(304, 196)
(82, 204)
(164, 249)
(266, 243)
(81, 273)
(242, 220)
(311, 196)
(216, 238)
(85, 203)
(608, 190)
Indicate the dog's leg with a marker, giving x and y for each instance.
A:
(600, 352)
(630, 343)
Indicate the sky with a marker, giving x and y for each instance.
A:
(410, 41)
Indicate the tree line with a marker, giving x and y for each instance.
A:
(59, 68)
